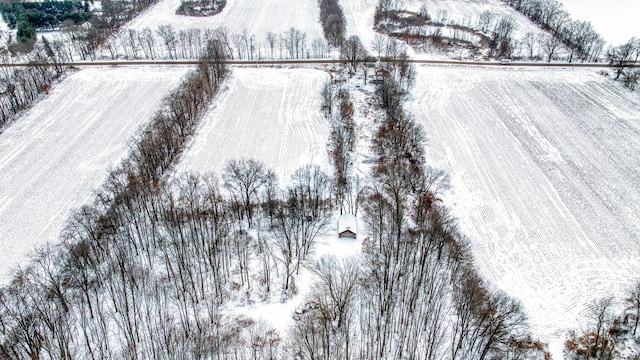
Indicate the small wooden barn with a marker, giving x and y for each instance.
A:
(347, 226)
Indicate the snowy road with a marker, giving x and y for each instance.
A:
(545, 179)
(272, 115)
(53, 157)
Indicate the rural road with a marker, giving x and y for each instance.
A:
(315, 61)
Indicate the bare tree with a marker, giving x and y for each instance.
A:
(245, 179)
(263, 340)
(529, 41)
(305, 214)
(378, 44)
(550, 45)
(633, 306)
(271, 42)
(353, 52)
(484, 20)
(620, 57)
(169, 37)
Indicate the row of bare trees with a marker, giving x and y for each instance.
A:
(168, 43)
(20, 87)
(111, 296)
(580, 38)
(333, 21)
(339, 112)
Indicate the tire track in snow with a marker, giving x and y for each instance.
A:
(57, 153)
(272, 115)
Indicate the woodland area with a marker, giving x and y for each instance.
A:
(146, 270)
(150, 268)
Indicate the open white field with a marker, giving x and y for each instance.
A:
(545, 179)
(256, 16)
(268, 114)
(53, 158)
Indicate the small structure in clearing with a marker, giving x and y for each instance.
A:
(347, 226)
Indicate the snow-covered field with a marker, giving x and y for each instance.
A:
(615, 20)
(545, 176)
(53, 158)
(273, 115)
(269, 114)
(359, 18)
(256, 16)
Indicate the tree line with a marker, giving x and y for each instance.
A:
(580, 38)
(22, 86)
(45, 15)
(201, 7)
(333, 21)
(166, 42)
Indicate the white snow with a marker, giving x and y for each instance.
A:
(53, 157)
(615, 20)
(359, 19)
(279, 314)
(269, 114)
(256, 16)
(545, 179)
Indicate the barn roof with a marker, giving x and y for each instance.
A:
(347, 222)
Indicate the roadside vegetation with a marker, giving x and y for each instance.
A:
(23, 86)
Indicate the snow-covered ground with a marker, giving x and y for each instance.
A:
(273, 115)
(269, 114)
(615, 20)
(256, 16)
(280, 314)
(545, 179)
(359, 17)
(53, 158)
